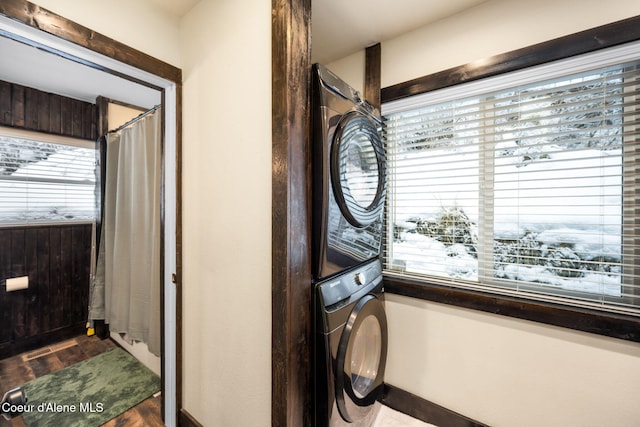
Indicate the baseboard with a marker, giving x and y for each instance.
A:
(185, 419)
(424, 410)
(21, 345)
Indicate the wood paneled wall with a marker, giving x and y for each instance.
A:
(26, 108)
(56, 258)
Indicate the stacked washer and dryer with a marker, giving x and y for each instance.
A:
(349, 323)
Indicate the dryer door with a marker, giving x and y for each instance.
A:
(358, 169)
(361, 359)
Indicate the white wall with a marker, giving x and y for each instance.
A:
(117, 115)
(351, 69)
(226, 53)
(494, 27)
(499, 370)
(138, 24)
(509, 372)
(224, 50)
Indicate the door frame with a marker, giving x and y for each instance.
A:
(49, 31)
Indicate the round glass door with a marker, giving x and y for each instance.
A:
(357, 169)
(364, 365)
(361, 359)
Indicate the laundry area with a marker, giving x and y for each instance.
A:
(319, 213)
(350, 326)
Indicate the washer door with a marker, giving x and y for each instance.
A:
(361, 359)
(358, 169)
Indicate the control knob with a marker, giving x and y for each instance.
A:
(360, 278)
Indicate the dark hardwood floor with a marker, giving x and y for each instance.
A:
(17, 370)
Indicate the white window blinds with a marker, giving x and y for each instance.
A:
(523, 184)
(46, 179)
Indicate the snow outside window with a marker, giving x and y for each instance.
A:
(524, 184)
(46, 179)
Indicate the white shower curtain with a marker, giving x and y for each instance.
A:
(129, 255)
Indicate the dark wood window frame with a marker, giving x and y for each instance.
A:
(626, 327)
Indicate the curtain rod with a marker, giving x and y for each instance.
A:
(135, 119)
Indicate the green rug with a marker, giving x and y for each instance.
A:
(89, 393)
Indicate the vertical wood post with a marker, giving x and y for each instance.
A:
(373, 74)
(291, 272)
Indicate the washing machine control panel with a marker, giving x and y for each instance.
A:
(352, 283)
(360, 278)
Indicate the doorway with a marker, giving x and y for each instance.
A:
(144, 73)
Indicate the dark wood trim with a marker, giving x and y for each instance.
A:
(49, 22)
(102, 106)
(373, 74)
(52, 23)
(424, 410)
(581, 319)
(291, 183)
(185, 419)
(609, 35)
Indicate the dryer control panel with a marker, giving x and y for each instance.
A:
(352, 284)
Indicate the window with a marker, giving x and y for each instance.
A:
(522, 184)
(46, 178)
